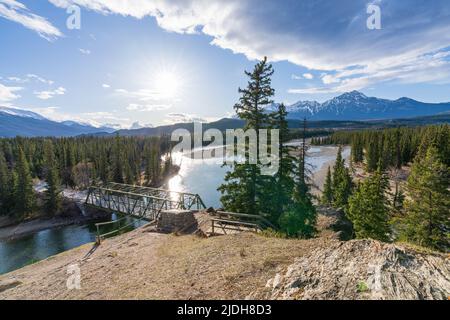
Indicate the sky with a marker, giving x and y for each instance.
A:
(159, 62)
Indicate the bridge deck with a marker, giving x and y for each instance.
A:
(142, 202)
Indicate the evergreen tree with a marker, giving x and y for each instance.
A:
(368, 208)
(357, 149)
(244, 186)
(428, 206)
(327, 195)
(6, 182)
(372, 155)
(23, 192)
(52, 194)
(117, 169)
(300, 219)
(342, 182)
(283, 185)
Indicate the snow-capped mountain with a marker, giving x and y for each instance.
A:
(357, 106)
(18, 122)
(138, 125)
(21, 113)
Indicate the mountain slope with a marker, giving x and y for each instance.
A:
(17, 122)
(357, 106)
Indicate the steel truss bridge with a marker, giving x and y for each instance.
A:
(140, 202)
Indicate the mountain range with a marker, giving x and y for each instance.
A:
(357, 106)
(352, 109)
(18, 122)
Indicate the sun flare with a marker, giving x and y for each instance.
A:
(168, 84)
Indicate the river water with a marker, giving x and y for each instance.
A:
(28, 249)
(204, 176)
(199, 176)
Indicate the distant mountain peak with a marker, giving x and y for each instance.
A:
(355, 105)
(21, 113)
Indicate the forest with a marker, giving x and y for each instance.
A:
(383, 205)
(76, 163)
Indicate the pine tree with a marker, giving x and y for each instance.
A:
(300, 219)
(372, 155)
(117, 169)
(6, 182)
(327, 195)
(244, 186)
(52, 194)
(368, 208)
(23, 192)
(428, 206)
(283, 183)
(357, 149)
(342, 182)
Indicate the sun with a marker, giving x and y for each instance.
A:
(168, 84)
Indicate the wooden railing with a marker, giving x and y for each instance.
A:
(238, 222)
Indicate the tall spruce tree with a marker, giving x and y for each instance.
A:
(427, 207)
(300, 219)
(283, 185)
(327, 195)
(342, 182)
(372, 152)
(244, 186)
(117, 168)
(6, 186)
(52, 196)
(23, 192)
(368, 208)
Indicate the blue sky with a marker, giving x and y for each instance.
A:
(157, 62)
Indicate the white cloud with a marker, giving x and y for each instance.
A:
(45, 95)
(308, 76)
(426, 68)
(186, 117)
(329, 79)
(16, 11)
(39, 79)
(106, 86)
(17, 79)
(85, 51)
(141, 94)
(296, 77)
(147, 107)
(321, 35)
(8, 93)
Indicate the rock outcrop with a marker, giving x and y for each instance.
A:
(363, 269)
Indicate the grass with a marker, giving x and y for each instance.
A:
(362, 287)
(226, 266)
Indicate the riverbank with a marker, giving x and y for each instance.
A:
(71, 215)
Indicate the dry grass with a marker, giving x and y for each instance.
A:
(227, 266)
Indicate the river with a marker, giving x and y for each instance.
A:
(204, 176)
(199, 176)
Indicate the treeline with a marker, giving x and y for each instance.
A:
(391, 147)
(283, 197)
(417, 211)
(76, 163)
